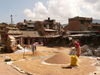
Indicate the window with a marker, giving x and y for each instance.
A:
(82, 21)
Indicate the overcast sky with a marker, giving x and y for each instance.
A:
(60, 10)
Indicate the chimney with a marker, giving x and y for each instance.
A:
(25, 20)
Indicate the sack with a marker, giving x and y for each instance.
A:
(74, 60)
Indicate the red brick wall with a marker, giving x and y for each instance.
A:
(73, 25)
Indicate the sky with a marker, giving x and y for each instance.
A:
(61, 10)
(16, 8)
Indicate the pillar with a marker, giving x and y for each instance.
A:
(21, 41)
(28, 41)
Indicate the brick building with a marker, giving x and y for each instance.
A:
(45, 28)
(3, 32)
(49, 27)
(29, 32)
(39, 30)
(84, 29)
(79, 24)
(95, 27)
(26, 25)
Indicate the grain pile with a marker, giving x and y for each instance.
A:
(61, 58)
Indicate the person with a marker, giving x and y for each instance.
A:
(76, 50)
(77, 47)
(34, 47)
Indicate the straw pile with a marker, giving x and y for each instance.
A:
(61, 58)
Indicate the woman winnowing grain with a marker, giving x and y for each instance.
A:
(77, 47)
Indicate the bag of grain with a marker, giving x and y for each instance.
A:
(74, 60)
